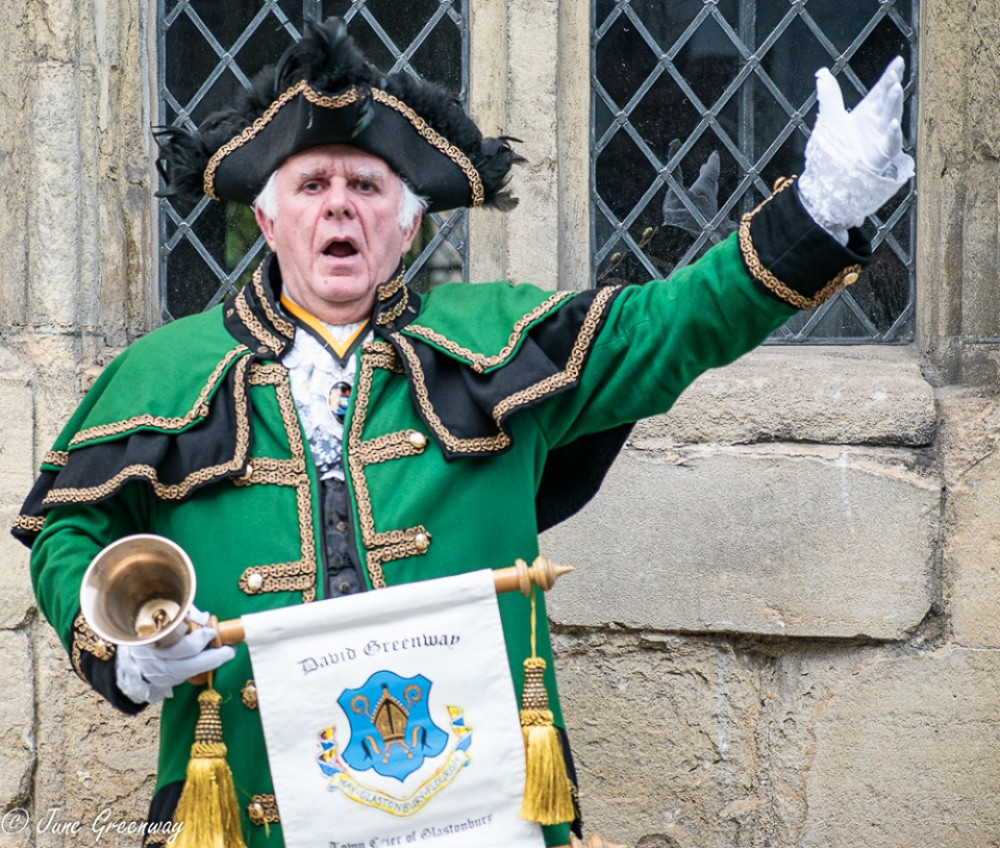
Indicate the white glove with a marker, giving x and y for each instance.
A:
(147, 674)
(854, 160)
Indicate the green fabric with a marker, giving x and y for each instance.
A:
(657, 339)
(158, 397)
(481, 318)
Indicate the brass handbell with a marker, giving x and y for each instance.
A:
(138, 591)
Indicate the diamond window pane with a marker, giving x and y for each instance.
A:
(208, 50)
(679, 83)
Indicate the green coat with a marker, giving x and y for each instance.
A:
(460, 405)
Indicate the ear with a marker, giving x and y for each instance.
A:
(266, 226)
(410, 233)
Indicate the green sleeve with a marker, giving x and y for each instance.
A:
(70, 539)
(658, 338)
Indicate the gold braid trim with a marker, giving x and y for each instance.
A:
(263, 809)
(298, 576)
(286, 328)
(387, 290)
(199, 410)
(393, 544)
(59, 458)
(848, 276)
(574, 365)
(280, 577)
(584, 340)
(29, 523)
(252, 323)
(301, 87)
(454, 443)
(377, 557)
(85, 640)
(384, 318)
(338, 102)
(392, 446)
(174, 491)
(480, 361)
(435, 140)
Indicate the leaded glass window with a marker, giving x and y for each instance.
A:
(676, 81)
(207, 49)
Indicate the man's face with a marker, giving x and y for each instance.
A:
(336, 234)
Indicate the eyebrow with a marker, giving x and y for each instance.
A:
(370, 174)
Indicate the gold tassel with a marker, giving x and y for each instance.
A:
(207, 810)
(547, 795)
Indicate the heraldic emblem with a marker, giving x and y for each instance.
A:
(393, 735)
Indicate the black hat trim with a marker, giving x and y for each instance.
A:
(340, 101)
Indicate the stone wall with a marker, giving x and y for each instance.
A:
(783, 625)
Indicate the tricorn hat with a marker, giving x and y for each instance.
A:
(324, 91)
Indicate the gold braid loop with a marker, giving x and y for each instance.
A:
(848, 276)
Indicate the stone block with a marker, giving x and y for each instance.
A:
(92, 760)
(16, 596)
(905, 755)
(827, 396)
(972, 546)
(17, 722)
(788, 540)
(16, 428)
(53, 232)
(662, 733)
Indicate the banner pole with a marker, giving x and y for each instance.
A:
(519, 577)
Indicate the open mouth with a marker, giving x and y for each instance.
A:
(339, 249)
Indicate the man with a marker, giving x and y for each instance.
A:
(328, 430)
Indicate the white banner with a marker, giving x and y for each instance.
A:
(390, 719)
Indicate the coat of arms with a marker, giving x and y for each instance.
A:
(393, 734)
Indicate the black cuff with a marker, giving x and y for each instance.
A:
(94, 660)
(160, 828)
(791, 257)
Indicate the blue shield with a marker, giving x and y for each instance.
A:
(391, 727)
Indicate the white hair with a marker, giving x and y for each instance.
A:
(411, 204)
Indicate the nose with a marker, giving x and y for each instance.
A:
(337, 201)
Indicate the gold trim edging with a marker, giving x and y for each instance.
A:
(537, 391)
(339, 101)
(481, 361)
(436, 140)
(393, 544)
(848, 276)
(199, 410)
(29, 523)
(286, 328)
(174, 491)
(253, 324)
(86, 640)
(298, 576)
(301, 87)
(263, 809)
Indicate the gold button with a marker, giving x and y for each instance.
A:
(248, 694)
(417, 439)
(422, 541)
(255, 580)
(255, 812)
(851, 278)
(248, 473)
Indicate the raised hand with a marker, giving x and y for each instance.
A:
(854, 159)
